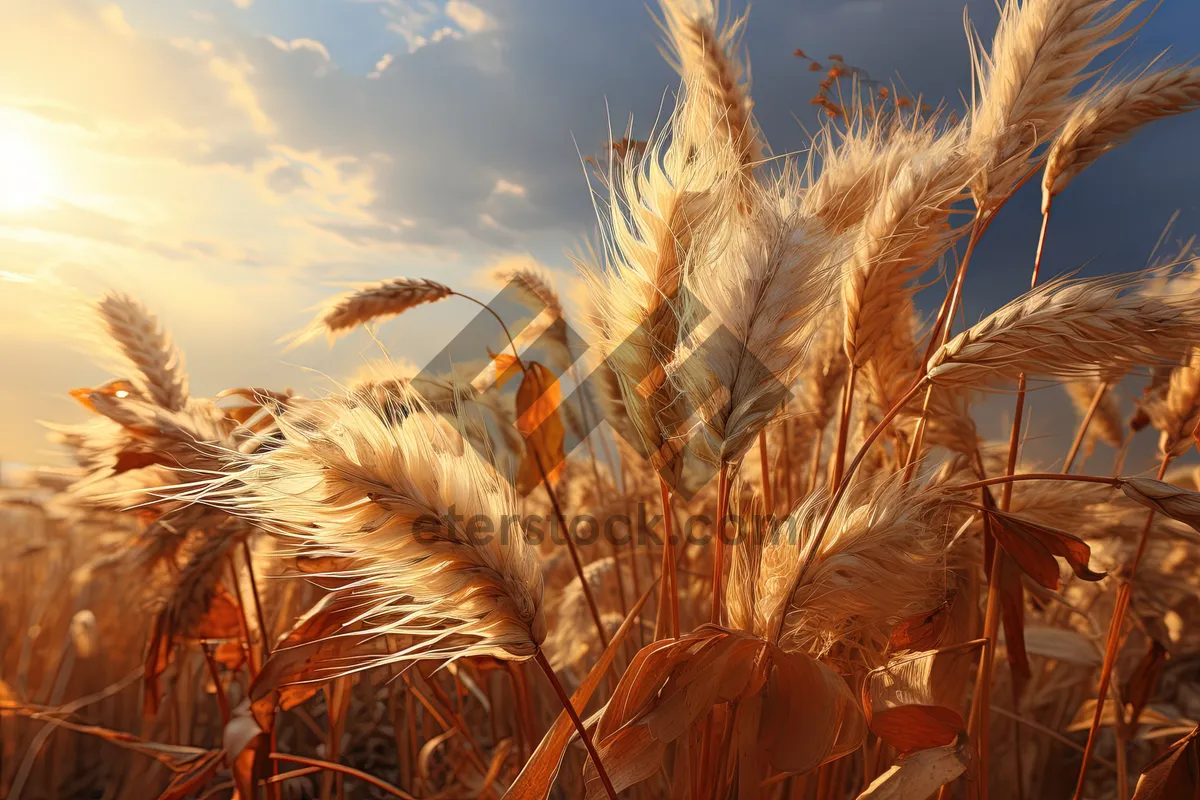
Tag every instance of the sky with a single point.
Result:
(232, 162)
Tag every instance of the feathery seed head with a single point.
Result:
(435, 532)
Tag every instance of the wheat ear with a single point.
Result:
(146, 345)
(345, 312)
(1107, 118)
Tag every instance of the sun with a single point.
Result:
(26, 178)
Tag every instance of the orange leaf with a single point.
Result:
(299, 652)
(1144, 679)
(916, 727)
(802, 687)
(230, 655)
(922, 631)
(538, 420)
(506, 367)
(1033, 547)
(538, 774)
(538, 398)
(1012, 613)
(222, 620)
(1173, 774)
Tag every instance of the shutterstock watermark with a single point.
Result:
(643, 526)
(686, 472)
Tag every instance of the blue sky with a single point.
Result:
(228, 159)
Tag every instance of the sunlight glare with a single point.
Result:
(26, 179)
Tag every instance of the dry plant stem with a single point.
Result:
(1124, 595)
(1101, 390)
(719, 552)
(670, 573)
(252, 662)
(1122, 760)
(819, 537)
(765, 467)
(540, 657)
(446, 722)
(979, 725)
(978, 722)
(562, 522)
(258, 609)
(215, 674)
(351, 771)
(1035, 476)
(839, 453)
(941, 334)
(788, 491)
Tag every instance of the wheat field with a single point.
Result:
(738, 537)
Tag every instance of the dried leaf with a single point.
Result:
(1144, 680)
(189, 782)
(1062, 644)
(539, 421)
(1171, 501)
(538, 774)
(506, 367)
(1083, 717)
(1175, 774)
(1033, 547)
(922, 631)
(299, 653)
(672, 685)
(920, 775)
(230, 655)
(1012, 615)
(222, 620)
(916, 727)
(804, 688)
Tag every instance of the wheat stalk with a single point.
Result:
(881, 560)
(345, 312)
(1040, 52)
(148, 347)
(1068, 329)
(718, 111)
(905, 230)
(1108, 117)
(675, 211)
(434, 532)
(756, 310)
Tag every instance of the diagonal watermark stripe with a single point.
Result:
(687, 466)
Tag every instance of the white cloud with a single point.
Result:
(243, 4)
(471, 18)
(510, 188)
(381, 65)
